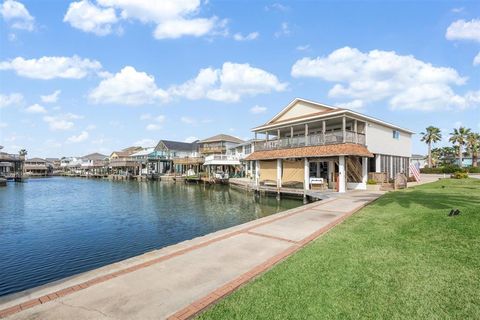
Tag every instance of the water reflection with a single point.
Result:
(57, 227)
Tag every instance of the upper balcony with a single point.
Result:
(209, 149)
(318, 133)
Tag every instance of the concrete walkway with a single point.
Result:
(180, 280)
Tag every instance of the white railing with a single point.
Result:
(335, 137)
(222, 157)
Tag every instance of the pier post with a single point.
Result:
(341, 174)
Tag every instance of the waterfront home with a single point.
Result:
(11, 164)
(178, 157)
(93, 164)
(218, 161)
(121, 163)
(148, 161)
(241, 151)
(310, 144)
(36, 167)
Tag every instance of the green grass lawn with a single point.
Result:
(400, 257)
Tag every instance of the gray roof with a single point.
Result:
(35, 160)
(178, 146)
(222, 137)
(95, 156)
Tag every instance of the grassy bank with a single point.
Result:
(400, 257)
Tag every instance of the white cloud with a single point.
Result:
(78, 138)
(145, 116)
(258, 109)
(52, 67)
(61, 122)
(172, 18)
(17, 15)
(187, 120)
(303, 48)
(153, 127)
(248, 37)
(36, 108)
(51, 98)
(145, 143)
(476, 60)
(12, 99)
(3, 125)
(277, 7)
(404, 81)
(464, 30)
(458, 10)
(354, 104)
(191, 139)
(284, 30)
(128, 87)
(229, 83)
(88, 17)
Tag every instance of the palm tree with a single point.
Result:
(431, 135)
(473, 145)
(459, 137)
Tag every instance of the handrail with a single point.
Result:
(319, 139)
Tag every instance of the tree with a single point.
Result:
(473, 146)
(459, 137)
(431, 135)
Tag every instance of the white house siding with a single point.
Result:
(380, 141)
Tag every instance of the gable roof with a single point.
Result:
(177, 145)
(222, 137)
(294, 102)
(315, 116)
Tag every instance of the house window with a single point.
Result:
(396, 134)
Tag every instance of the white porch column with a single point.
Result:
(318, 170)
(341, 174)
(378, 163)
(279, 173)
(257, 172)
(306, 170)
(344, 128)
(364, 169)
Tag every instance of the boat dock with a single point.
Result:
(248, 185)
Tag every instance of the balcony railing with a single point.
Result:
(213, 149)
(335, 137)
(222, 157)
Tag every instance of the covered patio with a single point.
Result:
(332, 167)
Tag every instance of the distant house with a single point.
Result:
(36, 167)
(93, 163)
(178, 157)
(420, 161)
(219, 159)
(121, 162)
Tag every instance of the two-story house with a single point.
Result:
(309, 140)
(218, 156)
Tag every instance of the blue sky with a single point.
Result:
(97, 76)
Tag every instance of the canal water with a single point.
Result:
(53, 228)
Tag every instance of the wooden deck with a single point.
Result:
(313, 194)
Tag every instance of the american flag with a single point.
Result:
(414, 172)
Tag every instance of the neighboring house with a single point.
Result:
(147, 160)
(94, 163)
(240, 152)
(176, 156)
(36, 167)
(309, 140)
(121, 163)
(218, 156)
(418, 160)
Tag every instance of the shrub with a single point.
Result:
(450, 169)
(371, 181)
(459, 175)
